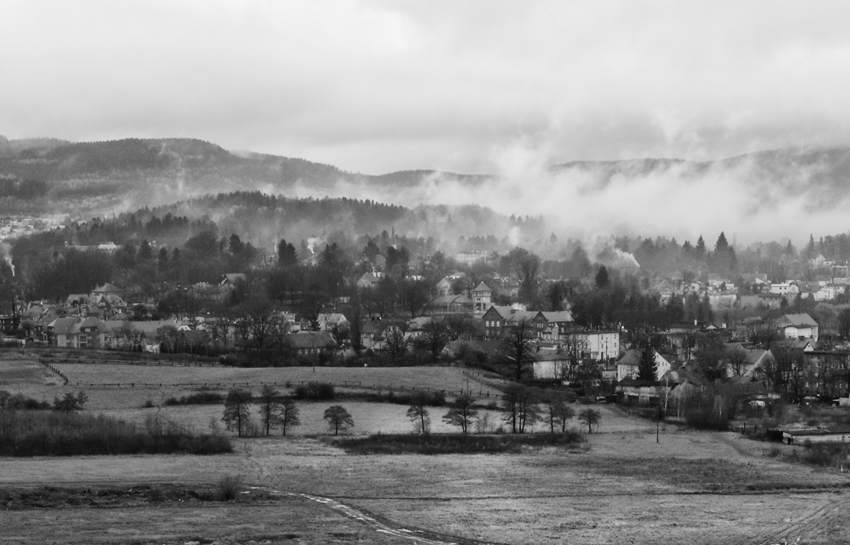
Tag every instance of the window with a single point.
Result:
(83, 341)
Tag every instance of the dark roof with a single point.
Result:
(798, 320)
(558, 317)
(311, 339)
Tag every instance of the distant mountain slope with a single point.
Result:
(785, 192)
(103, 175)
(791, 171)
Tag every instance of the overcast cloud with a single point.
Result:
(375, 86)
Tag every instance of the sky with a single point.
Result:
(474, 86)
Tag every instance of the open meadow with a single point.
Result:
(620, 486)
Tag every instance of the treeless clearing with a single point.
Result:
(680, 491)
(291, 519)
(435, 378)
(25, 373)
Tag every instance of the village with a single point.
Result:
(759, 347)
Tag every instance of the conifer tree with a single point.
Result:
(647, 368)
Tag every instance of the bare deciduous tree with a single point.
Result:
(338, 418)
(461, 413)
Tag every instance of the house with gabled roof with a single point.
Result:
(627, 366)
(753, 359)
(797, 326)
(444, 286)
(495, 321)
(308, 343)
(550, 364)
(77, 332)
(482, 296)
(553, 325)
(369, 280)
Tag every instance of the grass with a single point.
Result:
(453, 443)
(449, 379)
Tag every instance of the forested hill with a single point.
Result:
(263, 219)
(100, 177)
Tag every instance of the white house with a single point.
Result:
(798, 326)
(627, 366)
(784, 288)
(602, 345)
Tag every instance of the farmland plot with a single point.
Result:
(541, 496)
(434, 378)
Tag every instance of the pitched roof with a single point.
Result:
(482, 287)
(519, 316)
(75, 324)
(558, 317)
(631, 357)
(503, 312)
(63, 326)
(549, 354)
(680, 376)
(311, 339)
(371, 278)
(798, 320)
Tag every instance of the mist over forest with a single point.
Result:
(773, 195)
(229, 212)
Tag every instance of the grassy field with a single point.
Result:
(621, 487)
(178, 381)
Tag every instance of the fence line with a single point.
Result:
(146, 363)
(55, 371)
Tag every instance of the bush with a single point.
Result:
(454, 443)
(201, 398)
(42, 433)
(315, 391)
(228, 486)
(432, 399)
(18, 401)
(822, 454)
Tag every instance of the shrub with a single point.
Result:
(42, 433)
(315, 391)
(454, 443)
(200, 398)
(228, 486)
(18, 401)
